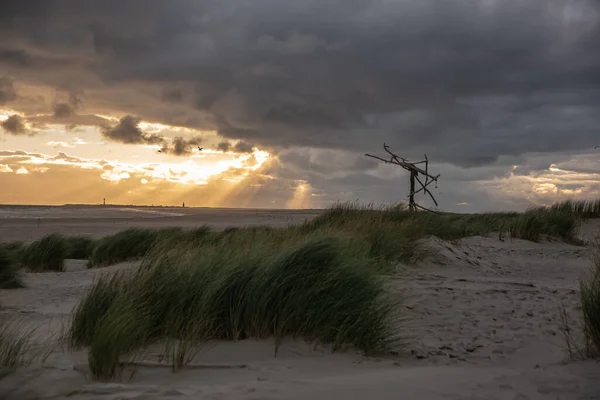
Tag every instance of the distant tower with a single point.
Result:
(183, 205)
(104, 201)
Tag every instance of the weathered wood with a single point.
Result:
(414, 176)
(411, 200)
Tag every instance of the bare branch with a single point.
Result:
(427, 191)
(414, 175)
(425, 209)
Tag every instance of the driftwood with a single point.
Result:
(414, 176)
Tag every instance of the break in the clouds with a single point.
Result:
(476, 84)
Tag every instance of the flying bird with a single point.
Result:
(595, 147)
(160, 151)
(200, 148)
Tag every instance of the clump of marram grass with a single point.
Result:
(127, 245)
(10, 276)
(16, 348)
(133, 244)
(590, 306)
(552, 222)
(94, 306)
(46, 254)
(582, 208)
(79, 247)
(319, 290)
(14, 249)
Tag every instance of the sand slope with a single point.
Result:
(484, 322)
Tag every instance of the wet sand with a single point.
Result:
(31, 223)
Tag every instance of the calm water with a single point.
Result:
(35, 212)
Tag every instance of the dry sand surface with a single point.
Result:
(483, 316)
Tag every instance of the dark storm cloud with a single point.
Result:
(127, 131)
(471, 83)
(172, 95)
(17, 58)
(181, 146)
(7, 90)
(15, 125)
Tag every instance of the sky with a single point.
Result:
(114, 99)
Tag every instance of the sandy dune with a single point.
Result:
(483, 317)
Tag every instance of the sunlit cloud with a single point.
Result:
(189, 172)
(5, 168)
(59, 144)
(555, 183)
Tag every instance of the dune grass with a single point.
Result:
(79, 247)
(46, 254)
(19, 347)
(590, 306)
(392, 232)
(14, 249)
(127, 245)
(531, 225)
(582, 208)
(15, 346)
(320, 281)
(184, 296)
(10, 276)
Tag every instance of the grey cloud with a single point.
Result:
(127, 131)
(181, 146)
(15, 125)
(474, 84)
(67, 108)
(283, 76)
(71, 120)
(172, 95)
(239, 147)
(17, 58)
(243, 147)
(224, 146)
(327, 162)
(7, 90)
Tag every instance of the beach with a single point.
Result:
(28, 223)
(482, 318)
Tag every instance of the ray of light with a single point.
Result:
(302, 196)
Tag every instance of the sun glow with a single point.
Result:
(232, 168)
